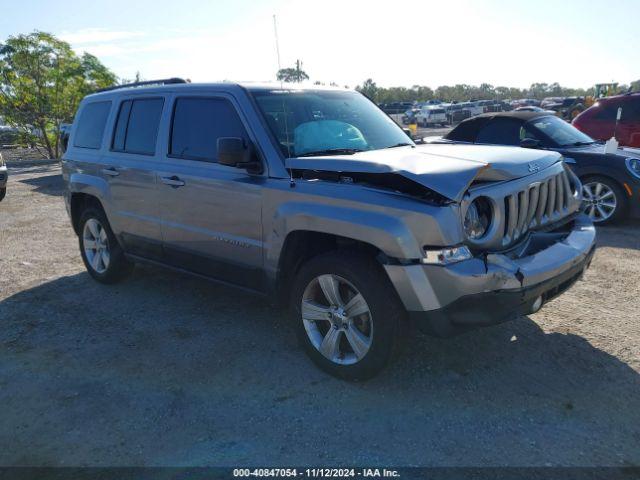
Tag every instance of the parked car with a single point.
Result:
(410, 116)
(429, 116)
(456, 113)
(4, 175)
(314, 199)
(549, 101)
(472, 107)
(599, 121)
(531, 108)
(396, 107)
(568, 108)
(610, 182)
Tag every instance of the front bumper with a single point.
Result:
(446, 300)
(4, 175)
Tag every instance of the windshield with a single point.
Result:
(315, 122)
(561, 132)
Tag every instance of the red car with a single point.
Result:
(599, 121)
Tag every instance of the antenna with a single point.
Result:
(275, 32)
(292, 183)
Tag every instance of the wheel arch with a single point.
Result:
(300, 246)
(79, 202)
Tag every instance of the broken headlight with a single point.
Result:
(477, 219)
(446, 256)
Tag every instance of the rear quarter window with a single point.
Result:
(91, 124)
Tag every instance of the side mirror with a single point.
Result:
(530, 143)
(235, 152)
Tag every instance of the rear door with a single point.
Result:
(130, 169)
(211, 213)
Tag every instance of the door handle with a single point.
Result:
(112, 172)
(173, 181)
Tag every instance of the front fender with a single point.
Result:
(385, 232)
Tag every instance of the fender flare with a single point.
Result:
(385, 232)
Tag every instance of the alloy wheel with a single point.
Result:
(599, 201)
(96, 245)
(337, 319)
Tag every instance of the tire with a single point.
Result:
(376, 333)
(106, 263)
(609, 189)
(3, 193)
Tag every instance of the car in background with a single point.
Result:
(409, 116)
(394, 108)
(531, 108)
(431, 115)
(473, 107)
(3, 178)
(568, 108)
(610, 182)
(456, 113)
(549, 101)
(599, 121)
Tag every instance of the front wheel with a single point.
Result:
(346, 314)
(3, 192)
(603, 200)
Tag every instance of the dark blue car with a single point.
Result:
(611, 182)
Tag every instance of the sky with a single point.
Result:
(396, 43)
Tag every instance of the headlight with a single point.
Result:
(478, 218)
(633, 164)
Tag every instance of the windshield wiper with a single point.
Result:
(579, 144)
(331, 151)
(401, 144)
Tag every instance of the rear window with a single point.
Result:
(137, 126)
(197, 125)
(500, 131)
(91, 123)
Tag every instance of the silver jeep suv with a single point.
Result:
(316, 199)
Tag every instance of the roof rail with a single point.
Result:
(164, 81)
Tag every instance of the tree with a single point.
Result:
(292, 75)
(369, 89)
(42, 81)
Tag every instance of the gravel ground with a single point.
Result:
(165, 369)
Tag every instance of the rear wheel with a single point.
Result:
(3, 193)
(603, 200)
(101, 253)
(344, 314)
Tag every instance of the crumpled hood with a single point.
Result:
(446, 169)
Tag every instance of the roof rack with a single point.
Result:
(164, 81)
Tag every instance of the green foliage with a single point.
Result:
(463, 92)
(42, 81)
(292, 75)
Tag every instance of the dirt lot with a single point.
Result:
(165, 369)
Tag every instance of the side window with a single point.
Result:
(527, 133)
(197, 125)
(605, 112)
(501, 131)
(91, 123)
(137, 126)
(631, 110)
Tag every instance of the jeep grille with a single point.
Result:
(528, 203)
(539, 204)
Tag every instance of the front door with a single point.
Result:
(211, 213)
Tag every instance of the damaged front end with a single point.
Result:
(491, 288)
(521, 239)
